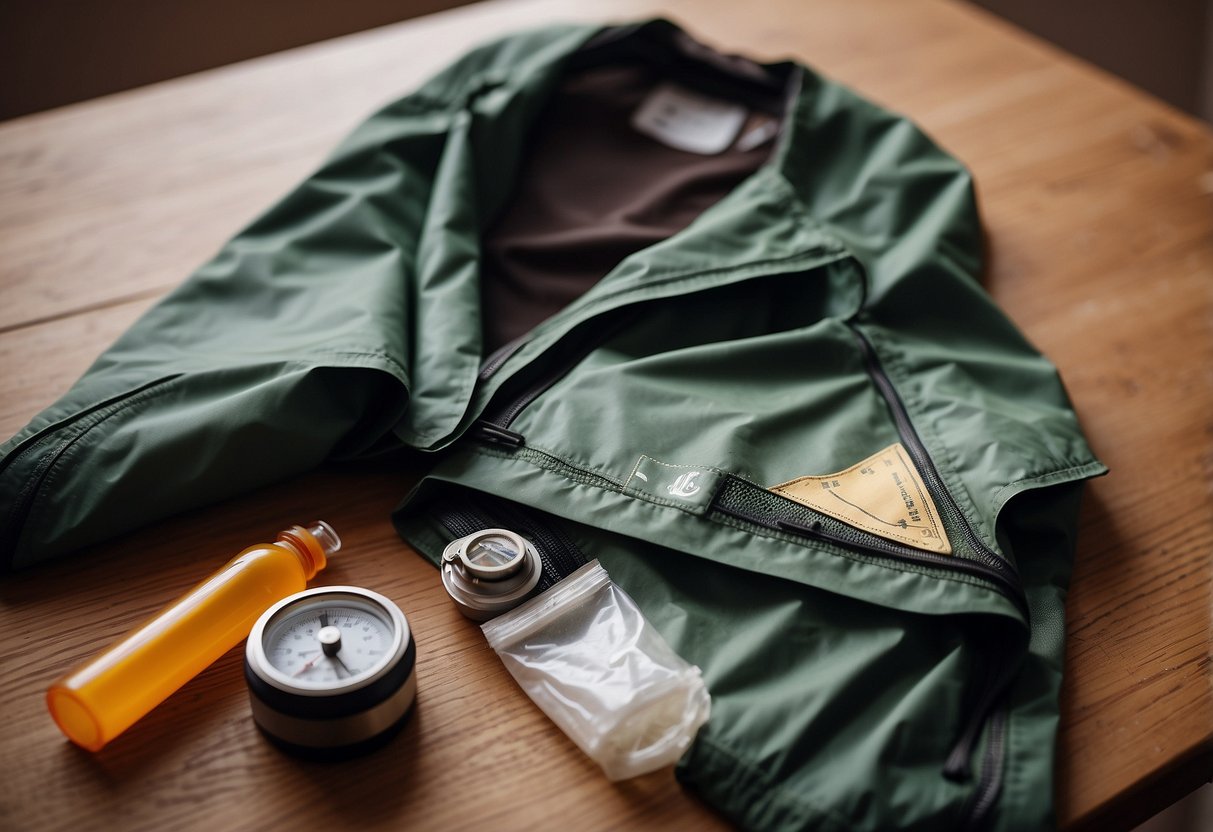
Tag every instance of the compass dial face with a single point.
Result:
(329, 643)
(331, 671)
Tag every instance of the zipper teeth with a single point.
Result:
(504, 417)
(958, 766)
(507, 416)
(990, 785)
(590, 341)
(825, 528)
(500, 356)
(926, 465)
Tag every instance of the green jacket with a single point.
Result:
(796, 431)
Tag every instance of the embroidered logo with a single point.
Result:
(653, 479)
(685, 485)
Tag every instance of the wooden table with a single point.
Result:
(1097, 204)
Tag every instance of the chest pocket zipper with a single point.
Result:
(494, 425)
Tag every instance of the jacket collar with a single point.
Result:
(763, 221)
(762, 227)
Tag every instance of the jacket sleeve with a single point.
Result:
(289, 347)
(293, 345)
(300, 341)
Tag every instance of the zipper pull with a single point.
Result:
(811, 529)
(959, 766)
(497, 435)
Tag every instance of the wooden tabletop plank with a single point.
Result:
(1096, 201)
(39, 361)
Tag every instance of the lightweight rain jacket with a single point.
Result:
(715, 323)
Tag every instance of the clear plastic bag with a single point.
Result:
(587, 657)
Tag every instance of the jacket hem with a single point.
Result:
(752, 799)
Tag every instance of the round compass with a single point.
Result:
(331, 671)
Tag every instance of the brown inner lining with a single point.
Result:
(591, 191)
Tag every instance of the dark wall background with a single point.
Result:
(55, 52)
(1162, 46)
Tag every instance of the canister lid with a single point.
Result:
(490, 571)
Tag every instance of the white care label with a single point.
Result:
(686, 120)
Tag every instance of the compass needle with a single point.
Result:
(305, 668)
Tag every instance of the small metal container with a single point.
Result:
(490, 572)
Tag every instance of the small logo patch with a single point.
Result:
(685, 485)
(882, 495)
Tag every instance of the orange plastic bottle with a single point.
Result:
(98, 701)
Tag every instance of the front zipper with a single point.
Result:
(959, 763)
(990, 785)
(499, 356)
(494, 424)
(930, 474)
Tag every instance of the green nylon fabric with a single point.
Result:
(345, 322)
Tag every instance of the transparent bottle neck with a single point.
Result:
(313, 544)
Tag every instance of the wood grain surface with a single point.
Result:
(1097, 205)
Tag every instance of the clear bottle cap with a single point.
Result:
(325, 536)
